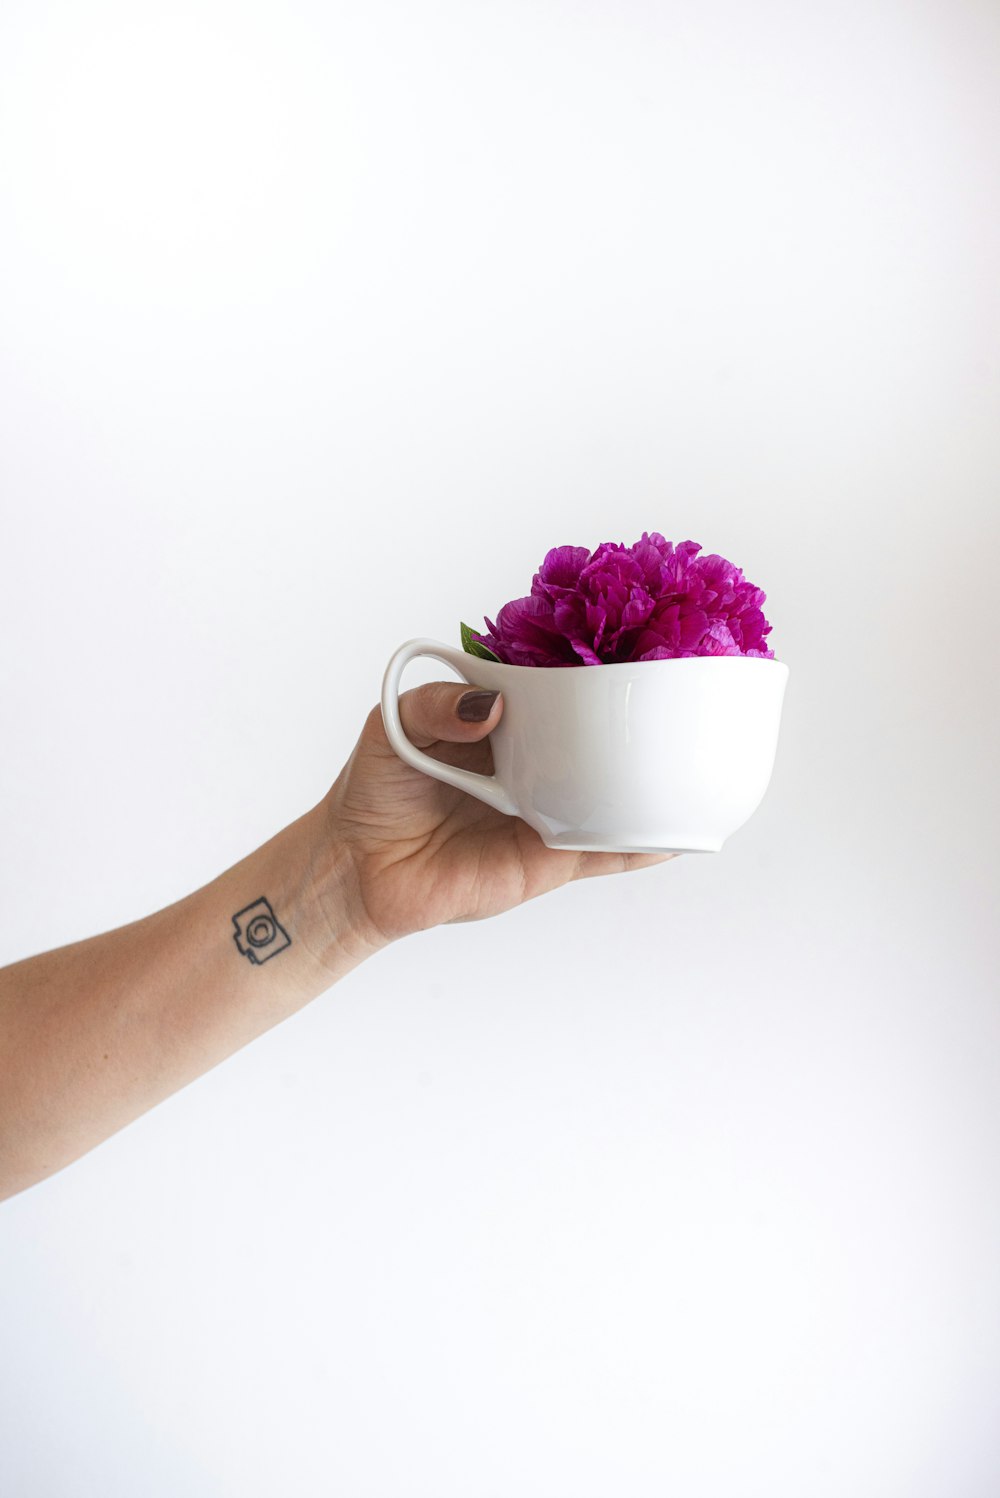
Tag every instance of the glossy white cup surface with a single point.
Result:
(648, 757)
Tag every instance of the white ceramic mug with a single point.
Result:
(649, 757)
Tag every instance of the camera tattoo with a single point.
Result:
(259, 934)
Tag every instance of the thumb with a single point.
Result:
(448, 711)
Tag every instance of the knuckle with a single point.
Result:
(434, 701)
(374, 727)
(424, 712)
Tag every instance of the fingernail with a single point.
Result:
(475, 707)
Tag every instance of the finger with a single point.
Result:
(475, 757)
(594, 865)
(448, 711)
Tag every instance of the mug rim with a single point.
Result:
(685, 660)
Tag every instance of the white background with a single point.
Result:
(319, 324)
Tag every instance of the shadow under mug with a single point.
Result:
(645, 757)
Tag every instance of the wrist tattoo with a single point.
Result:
(259, 934)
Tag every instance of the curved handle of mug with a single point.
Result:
(485, 787)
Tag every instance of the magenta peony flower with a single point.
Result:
(648, 602)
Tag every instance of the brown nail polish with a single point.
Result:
(475, 707)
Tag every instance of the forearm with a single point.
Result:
(95, 1033)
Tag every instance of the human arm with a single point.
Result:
(95, 1033)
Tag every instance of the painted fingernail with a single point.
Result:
(475, 707)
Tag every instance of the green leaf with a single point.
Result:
(475, 647)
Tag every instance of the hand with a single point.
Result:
(424, 853)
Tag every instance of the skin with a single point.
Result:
(95, 1033)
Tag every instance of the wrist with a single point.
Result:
(342, 933)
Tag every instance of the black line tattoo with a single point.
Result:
(259, 933)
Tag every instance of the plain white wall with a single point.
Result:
(319, 324)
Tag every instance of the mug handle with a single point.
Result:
(485, 787)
